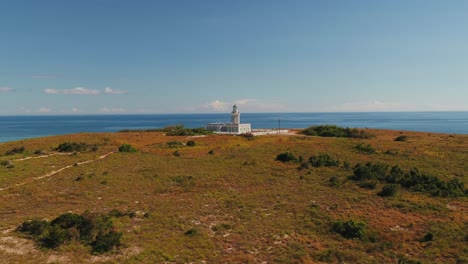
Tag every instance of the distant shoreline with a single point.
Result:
(22, 127)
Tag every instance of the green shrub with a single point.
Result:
(323, 160)
(248, 136)
(71, 147)
(127, 148)
(389, 190)
(191, 143)
(106, 241)
(286, 157)
(334, 131)
(90, 229)
(54, 237)
(334, 181)
(428, 237)
(33, 227)
(372, 184)
(174, 144)
(369, 171)
(68, 220)
(191, 232)
(401, 138)
(14, 151)
(368, 149)
(350, 229)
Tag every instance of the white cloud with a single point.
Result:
(75, 110)
(216, 106)
(44, 110)
(112, 110)
(6, 89)
(247, 105)
(77, 90)
(109, 90)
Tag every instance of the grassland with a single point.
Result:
(227, 200)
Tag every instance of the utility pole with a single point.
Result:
(279, 125)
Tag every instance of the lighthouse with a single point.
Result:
(235, 127)
(235, 115)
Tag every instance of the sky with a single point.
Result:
(61, 57)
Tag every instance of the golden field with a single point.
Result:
(243, 205)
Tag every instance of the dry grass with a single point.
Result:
(245, 206)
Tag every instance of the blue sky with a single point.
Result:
(184, 56)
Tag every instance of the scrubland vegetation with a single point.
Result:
(339, 196)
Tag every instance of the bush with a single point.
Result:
(174, 144)
(428, 237)
(54, 237)
(127, 148)
(286, 157)
(191, 143)
(401, 138)
(248, 136)
(14, 151)
(389, 190)
(71, 147)
(334, 131)
(365, 148)
(323, 160)
(350, 229)
(369, 171)
(91, 229)
(33, 227)
(368, 184)
(191, 232)
(106, 241)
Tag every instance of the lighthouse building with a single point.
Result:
(235, 127)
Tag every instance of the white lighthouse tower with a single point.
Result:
(235, 127)
(235, 115)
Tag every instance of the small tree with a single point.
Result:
(350, 228)
(286, 157)
(389, 190)
(127, 148)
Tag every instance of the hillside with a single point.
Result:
(226, 199)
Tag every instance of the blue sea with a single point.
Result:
(21, 127)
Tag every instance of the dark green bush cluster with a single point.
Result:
(335, 131)
(350, 229)
(6, 163)
(368, 149)
(248, 136)
(401, 138)
(191, 143)
(177, 130)
(389, 190)
(180, 130)
(73, 146)
(174, 144)
(369, 171)
(14, 151)
(323, 160)
(95, 230)
(413, 180)
(419, 182)
(127, 148)
(286, 157)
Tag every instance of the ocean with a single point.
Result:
(21, 127)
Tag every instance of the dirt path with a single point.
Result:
(55, 171)
(43, 156)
